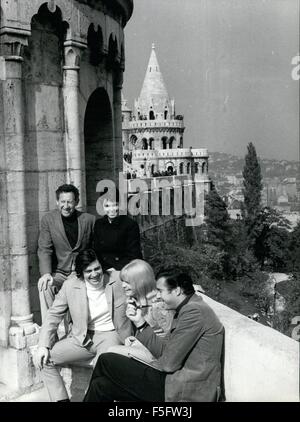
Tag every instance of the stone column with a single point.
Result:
(73, 135)
(117, 113)
(16, 203)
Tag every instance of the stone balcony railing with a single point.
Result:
(170, 153)
(260, 363)
(144, 124)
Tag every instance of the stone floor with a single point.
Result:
(39, 395)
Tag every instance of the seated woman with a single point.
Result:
(139, 284)
(116, 237)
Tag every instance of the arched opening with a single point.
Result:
(204, 168)
(144, 143)
(95, 44)
(112, 51)
(152, 169)
(181, 168)
(164, 141)
(98, 141)
(188, 168)
(132, 141)
(171, 142)
(170, 169)
(196, 167)
(151, 143)
(151, 115)
(165, 114)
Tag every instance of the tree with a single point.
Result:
(217, 220)
(252, 187)
(293, 252)
(271, 235)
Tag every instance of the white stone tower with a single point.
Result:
(153, 133)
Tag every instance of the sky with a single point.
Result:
(228, 65)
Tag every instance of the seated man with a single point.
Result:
(188, 360)
(116, 237)
(64, 232)
(97, 306)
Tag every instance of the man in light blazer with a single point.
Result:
(188, 360)
(64, 232)
(97, 305)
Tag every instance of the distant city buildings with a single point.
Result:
(281, 184)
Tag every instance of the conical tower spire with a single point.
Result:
(154, 96)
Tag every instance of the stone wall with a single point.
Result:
(55, 56)
(261, 364)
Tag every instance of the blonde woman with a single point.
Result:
(138, 281)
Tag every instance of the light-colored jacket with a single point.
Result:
(53, 242)
(190, 353)
(72, 297)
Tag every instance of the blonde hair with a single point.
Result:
(139, 274)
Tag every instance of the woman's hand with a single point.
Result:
(134, 314)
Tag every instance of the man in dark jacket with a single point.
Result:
(116, 237)
(187, 364)
(64, 232)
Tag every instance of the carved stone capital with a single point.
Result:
(13, 41)
(72, 52)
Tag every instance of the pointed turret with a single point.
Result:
(153, 102)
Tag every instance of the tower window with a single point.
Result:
(151, 115)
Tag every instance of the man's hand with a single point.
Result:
(135, 315)
(129, 340)
(41, 357)
(45, 281)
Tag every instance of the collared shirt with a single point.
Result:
(184, 302)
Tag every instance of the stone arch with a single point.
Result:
(188, 168)
(172, 142)
(152, 169)
(132, 140)
(166, 112)
(113, 52)
(151, 115)
(164, 141)
(95, 44)
(151, 143)
(98, 142)
(196, 168)
(204, 167)
(181, 168)
(169, 167)
(144, 143)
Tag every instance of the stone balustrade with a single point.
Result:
(144, 124)
(170, 153)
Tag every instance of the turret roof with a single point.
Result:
(154, 92)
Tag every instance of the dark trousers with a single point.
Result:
(120, 378)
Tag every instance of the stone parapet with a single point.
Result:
(261, 364)
(170, 153)
(145, 124)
